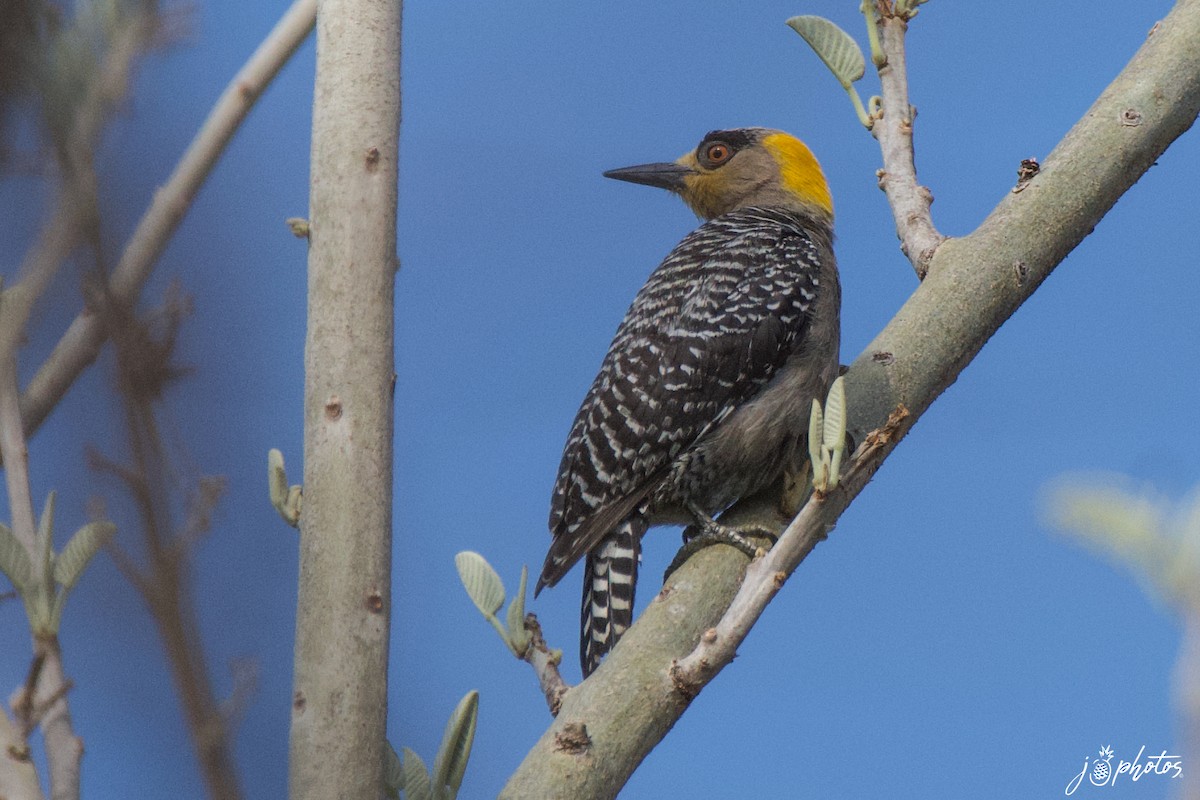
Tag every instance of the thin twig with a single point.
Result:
(23, 704)
(128, 568)
(766, 575)
(63, 748)
(144, 360)
(75, 215)
(893, 128)
(81, 342)
(57, 239)
(545, 665)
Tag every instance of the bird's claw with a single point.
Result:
(708, 535)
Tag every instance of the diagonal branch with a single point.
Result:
(974, 284)
(81, 342)
(765, 576)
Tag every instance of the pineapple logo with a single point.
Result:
(1102, 769)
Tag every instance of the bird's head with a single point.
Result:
(738, 168)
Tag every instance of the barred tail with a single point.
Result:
(609, 580)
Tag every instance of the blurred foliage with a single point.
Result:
(1157, 539)
(20, 26)
(51, 56)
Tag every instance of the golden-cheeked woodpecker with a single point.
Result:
(703, 398)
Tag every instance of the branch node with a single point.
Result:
(298, 226)
(19, 752)
(1131, 118)
(1021, 269)
(1026, 172)
(687, 682)
(573, 739)
(883, 357)
(545, 665)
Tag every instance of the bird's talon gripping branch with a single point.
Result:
(711, 533)
(710, 528)
(701, 399)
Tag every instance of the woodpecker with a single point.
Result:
(704, 396)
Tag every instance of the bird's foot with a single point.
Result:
(708, 533)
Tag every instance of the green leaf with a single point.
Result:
(816, 429)
(74, 558)
(416, 777)
(833, 434)
(483, 585)
(818, 454)
(908, 8)
(45, 542)
(451, 762)
(14, 561)
(285, 500)
(393, 772)
(518, 637)
(833, 46)
(835, 468)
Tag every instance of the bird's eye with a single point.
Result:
(717, 153)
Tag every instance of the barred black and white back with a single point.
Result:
(710, 329)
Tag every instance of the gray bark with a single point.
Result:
(339, 706)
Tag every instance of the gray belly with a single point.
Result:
(749, 450)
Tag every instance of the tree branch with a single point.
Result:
(145, 369)
(75, 214)
(339, 707)
(545, 665)
(18, 778)
(81, 342)
(765, 576)
(75, 217)
(974, 284)
(58, 239)
(893, 128)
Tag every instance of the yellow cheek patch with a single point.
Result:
(704, 190)
(799, 169)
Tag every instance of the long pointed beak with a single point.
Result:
(664, 175)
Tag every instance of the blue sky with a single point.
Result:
(943, 640)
